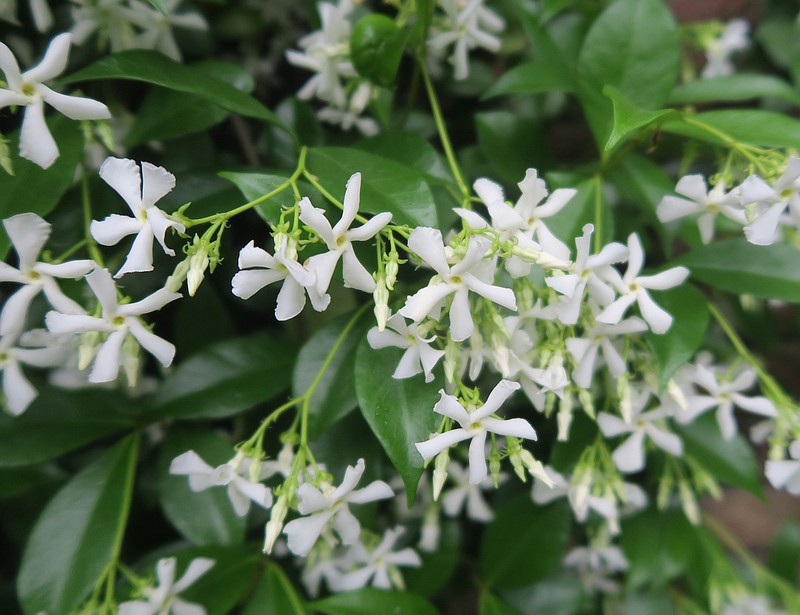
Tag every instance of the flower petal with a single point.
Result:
(140, 257)
(314, 217)
(113, 228)
(323, 265)
(477, 458)
(74, 107)
(355, 274)
(666, 279)
(54, 61)
(499, 394)
(108, 359)
(657, 317)
(427, 243)
(519, 428)
(151, 303)
(157, 182)
(35, 141)
(303, 533)
(160, 348)
(15, 311)
(197, 568)
(291, 299)
(28, 233)
(247, 283)
(370, 228)
(424, 301)
(18, 391)
(629, 456)
(352, 197)
(434, 446)
(9, 66)
(105, 290)
(123, 175)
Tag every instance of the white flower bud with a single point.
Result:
(564, 418)
(440, 473)
(130, 359)
(197, 269)
(87, 348)
(275, 524)
(535, 467)
(689, 503)
(430, 530)
(381, 298)
(391, 271)
(176, 280)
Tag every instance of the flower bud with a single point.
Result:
(87, 348)
(381, 297)
(494, 466)
(275, 524)
(689, 503)
(198, 263)
(430, 530)
(564, 418)
(178, 277)
(392, 267)
(535, 468)
(440, 472)
(130, 359)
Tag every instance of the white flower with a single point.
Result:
(18, 391)
(579, 496)
(475, 424)
(724, 396)
(701, 200)
(458, 280)
(339, 240)
(785, 474)
(111, 19)
(163, 600)
(467, 24)
(375, 565)
(734, 37)
(326, 52)
(157, 27)
(454, 498)
(28, 233)
(350, 115)
(785, 192)
(241, 490)
(118, 321)
(582, 275)
(633, 288)
(595, 565)
(141, 191)
(585, 349)
(330, 505)
(259, 269)
(418, 357)
(537, 382)
(27, 90)
(629, 456)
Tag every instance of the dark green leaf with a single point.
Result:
(226, 378)
(153, 67)
(511, 144)
(548, 49)
(561, 593)
(17, 192)
(205, 517)
(741, 86)
(568, 222)
(411, 150)
(256, 185)
(784, 552)
(369, 601)
(524, 543)
(731, 461)
(532, 78)
(769, 272)
(490, 605)
(335, 395)
(60, 421)
(653, 603)
(399, 412)
(74, 538)
(633, 45)
(376, 48)
(684, 338)
(275, 595)
(629, 117)
(751, 126)
(385, 184)
(437, 567)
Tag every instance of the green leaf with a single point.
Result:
(335, 394)
(256, 185)
(634, 46)
(369, 601)
(60, 421)
(399, 412)
(37, 190)
(74, 539)
(411, 150)
(510, 143)
(226, 378)
(437, 567)
(524, 543)
(629, 117)
(376, 48)
(275, 595)
(750, 126)
(160, 6)
(548, 49)
(731, 88)
(659, 546)
(561, 593)
(731, 461)
(568, 222)
(679, 344)
(768, 272)
(153, 67)
(490, 605)
(385, 184)
(531, 78)
(653, 603)
(784, 551)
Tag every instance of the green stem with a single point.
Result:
(86, 199)
(442, 129)
(598, 213)
(62, 257)
(312, 179)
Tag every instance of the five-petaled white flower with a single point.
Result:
(17, 390)
(241, 490)
(27, 90)
(118, 321)
(163, 600)
(259, 269)
(734, 37)
(633, 288)
(475, 424)
(784, 192)
(29, 233)
(465, 492)
(585, 349)
(141, 191)
(339, 240)
(330, 505)
(457, 280)
(418, 357)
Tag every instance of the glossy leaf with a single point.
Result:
(733, 88)
(226, 378)
(157, 69)
(629, 117)
(769, 272)
(730, 461)
(73, 540)
(376, 48)
(37, 190)
(531, 78)
(511, 144)
(256, 185)
(61, 421)
(561, 593)
(684, 338)
(491, 605)
(524, 543)
(275, 595)
(633, 46)
(410, 150)
(385, 184)
(218, 523)
(369, 601)
(335, 394)
(568, 222)
(399, 412)
(784, 551)
(751, 126)
(438, 567)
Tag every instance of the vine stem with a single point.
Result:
(443, 136)
(598, 213)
